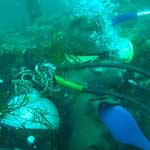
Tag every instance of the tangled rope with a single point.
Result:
(43, 75)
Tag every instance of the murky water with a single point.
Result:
(74, 74)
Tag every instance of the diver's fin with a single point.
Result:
(123, 126)
(147, 147)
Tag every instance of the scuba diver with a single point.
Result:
(94, 118)
(34, 10)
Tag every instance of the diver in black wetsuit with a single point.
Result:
(33, 8)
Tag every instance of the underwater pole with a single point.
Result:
(129, 16)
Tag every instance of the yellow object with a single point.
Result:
(68, 84)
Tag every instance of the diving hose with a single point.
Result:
(101, 92)
(68, 84)
(108, 65)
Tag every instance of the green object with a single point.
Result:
(68, 84)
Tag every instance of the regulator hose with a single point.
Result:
(116, 95)
(100, 92)
(105, 65)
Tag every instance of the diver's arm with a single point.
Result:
(129, 16)
(123, 18)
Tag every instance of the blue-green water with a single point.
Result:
(74, 74)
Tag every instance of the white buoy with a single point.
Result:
(30, 139)
(35, 113)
